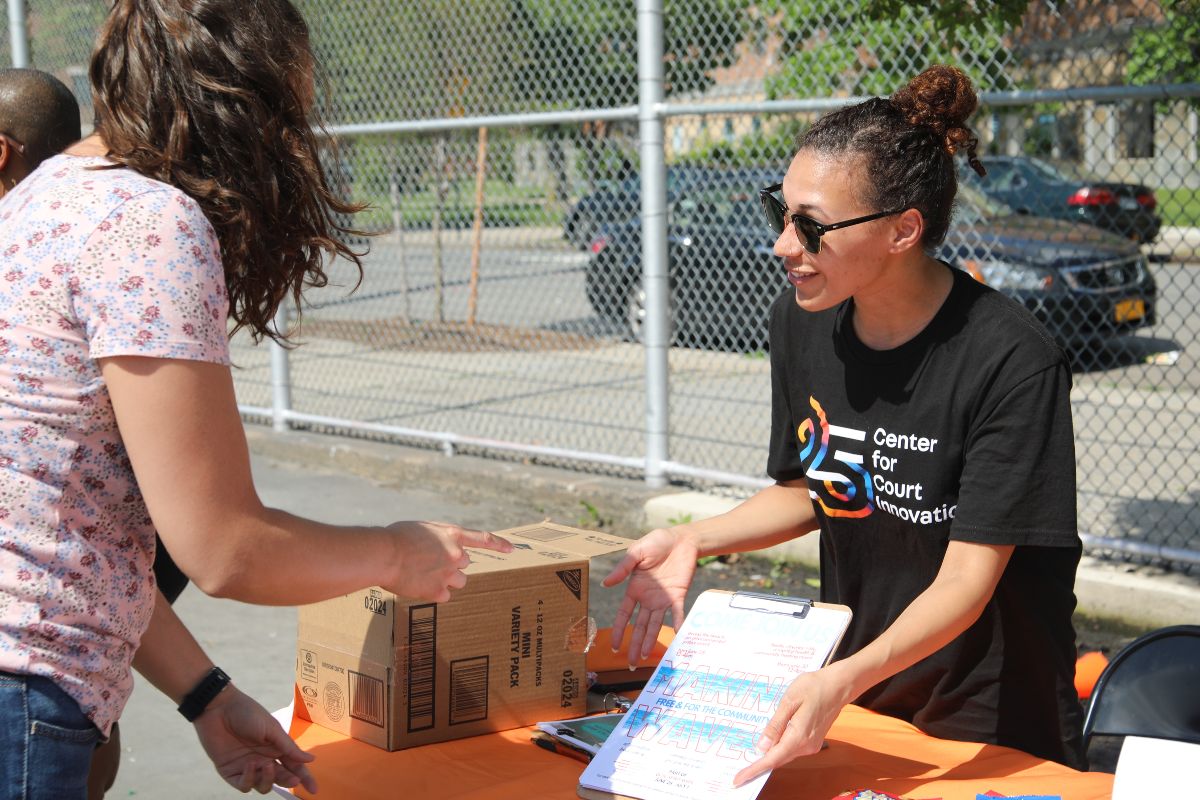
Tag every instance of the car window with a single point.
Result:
(1063, 171)
(1074, 173)
(1036, 166)
(716, 207)
(679, 180)
(999, 176)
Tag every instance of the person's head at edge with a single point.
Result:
(215, 97)
(883, 155)
(38, 118)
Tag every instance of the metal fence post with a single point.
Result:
(281, 374)
(654, 235)
(18, 34)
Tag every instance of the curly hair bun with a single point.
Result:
(942, 98)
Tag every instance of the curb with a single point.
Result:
(1139, 596)
(1179, 244)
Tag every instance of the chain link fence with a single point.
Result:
(500, 146)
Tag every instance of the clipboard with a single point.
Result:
(781, 629)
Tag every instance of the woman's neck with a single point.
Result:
(890, 315)
(91, 145)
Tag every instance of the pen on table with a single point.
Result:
(548, 742)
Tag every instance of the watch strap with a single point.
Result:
(195, 701)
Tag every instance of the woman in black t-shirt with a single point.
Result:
(922, 422)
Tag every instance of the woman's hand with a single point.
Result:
(805, 714)
(248, 746)
(432, 557)
(964, 584)
(660, 567)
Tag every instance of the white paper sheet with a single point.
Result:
(696, 723)
(1149, 768)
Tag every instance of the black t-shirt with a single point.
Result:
(963, 432)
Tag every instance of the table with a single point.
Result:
(866, 751)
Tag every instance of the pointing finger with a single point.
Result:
(774, 729)
(488, 541)
(764, 764)
(780, 753)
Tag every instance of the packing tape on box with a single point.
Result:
(581, 635)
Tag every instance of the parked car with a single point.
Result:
(1033, 186)
(723, 274)
(620, 201)
(1084, 284)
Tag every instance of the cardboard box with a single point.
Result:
(506, 651)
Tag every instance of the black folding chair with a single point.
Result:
(1151, 689)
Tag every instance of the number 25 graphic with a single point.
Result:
(846, 484)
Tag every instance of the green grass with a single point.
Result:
(1179, 206)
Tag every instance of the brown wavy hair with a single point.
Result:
(908, 143)
(215, 98)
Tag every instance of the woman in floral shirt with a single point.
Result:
(124, 259)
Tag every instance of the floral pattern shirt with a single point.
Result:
(93, 263)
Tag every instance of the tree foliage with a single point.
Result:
(952, 19)
(383, 60)
(863, 47)
(429, 58)
(584, 55)
(1170, 52)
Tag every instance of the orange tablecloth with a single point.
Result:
(866, 751)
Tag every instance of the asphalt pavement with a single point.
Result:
(342, 480)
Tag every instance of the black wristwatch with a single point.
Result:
(195, 701)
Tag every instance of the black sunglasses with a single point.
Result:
(808, 229)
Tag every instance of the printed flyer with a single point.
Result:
(695, 724)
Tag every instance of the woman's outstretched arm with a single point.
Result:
(180, 425)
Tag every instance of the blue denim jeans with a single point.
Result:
(46, 742)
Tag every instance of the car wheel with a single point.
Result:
(635, 313)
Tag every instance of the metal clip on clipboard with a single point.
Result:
(797, 607)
